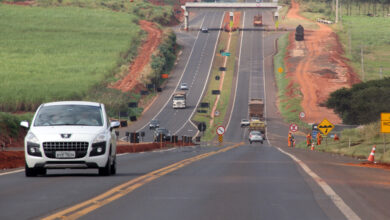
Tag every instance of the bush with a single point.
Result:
(166, 56)
(362, 103)
(9, 123)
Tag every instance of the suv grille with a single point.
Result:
(50, 148)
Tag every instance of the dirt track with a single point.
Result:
(318, 66)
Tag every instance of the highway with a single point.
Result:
(233, 181)
(195, 73)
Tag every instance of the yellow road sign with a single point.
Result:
(280, 69)
(385, 122)
(325, 127)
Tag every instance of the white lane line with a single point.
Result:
(10, 172)
(336, 199)
(174, 90)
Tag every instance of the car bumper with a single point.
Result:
(80, 163)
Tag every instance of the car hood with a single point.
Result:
(57, 133)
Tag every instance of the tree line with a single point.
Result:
(363, 103)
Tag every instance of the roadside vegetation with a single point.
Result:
(289, 105)
(358, 143)
(73, 50)
(60, 53)
(213, 84)
(364, 31)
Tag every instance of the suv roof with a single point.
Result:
(72, 103)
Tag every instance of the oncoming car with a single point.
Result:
(205, 29)
(183, 86)
(70, 134)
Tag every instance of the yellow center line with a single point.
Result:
(81, 209)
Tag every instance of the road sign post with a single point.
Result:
(220, 132)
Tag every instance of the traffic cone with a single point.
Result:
(312, 146)
(371, 157)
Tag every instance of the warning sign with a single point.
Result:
(385, 122)
(325, 127)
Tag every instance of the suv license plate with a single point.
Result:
(65, 154)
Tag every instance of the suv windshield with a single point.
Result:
(76, 115)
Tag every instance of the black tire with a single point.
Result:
(106, 170)
(113, 167)
(250, 142)
(30, 172)
(261, 142)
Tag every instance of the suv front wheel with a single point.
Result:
(106, 170)
(30, 171)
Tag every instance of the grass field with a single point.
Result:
(375, 41)
(60, 53)
(357, 32)
(214, 84)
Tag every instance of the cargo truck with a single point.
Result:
(258, 20)
(179, 100)
(256, 115)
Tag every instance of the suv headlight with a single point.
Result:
(99, 145)
(33, 147)
(32, 138)
(99, 138)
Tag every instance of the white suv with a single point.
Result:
(70, 134)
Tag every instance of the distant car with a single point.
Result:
(183, 86)
(162, 134)
(154, 124)
(255, 136)
(244, 122)
(205, 30)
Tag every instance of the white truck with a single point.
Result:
(179, 100)
(72, 134)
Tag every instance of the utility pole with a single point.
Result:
(337, 11)
(350, 43)
(362, 61)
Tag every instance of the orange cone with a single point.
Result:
(371, 157)
(312, 146)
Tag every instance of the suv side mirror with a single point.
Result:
(24, 124)
(114, 124)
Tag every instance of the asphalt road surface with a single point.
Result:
(232, 181)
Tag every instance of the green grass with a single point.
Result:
(375, 40)
(289, 107)
(9, 123)
(60, 53)
(214, 84)
(358, 143)
(356, 31)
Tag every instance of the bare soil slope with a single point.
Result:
(318, 66)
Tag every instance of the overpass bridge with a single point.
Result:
(228, 6)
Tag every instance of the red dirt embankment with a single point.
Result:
(132, 79)
(318, 66)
